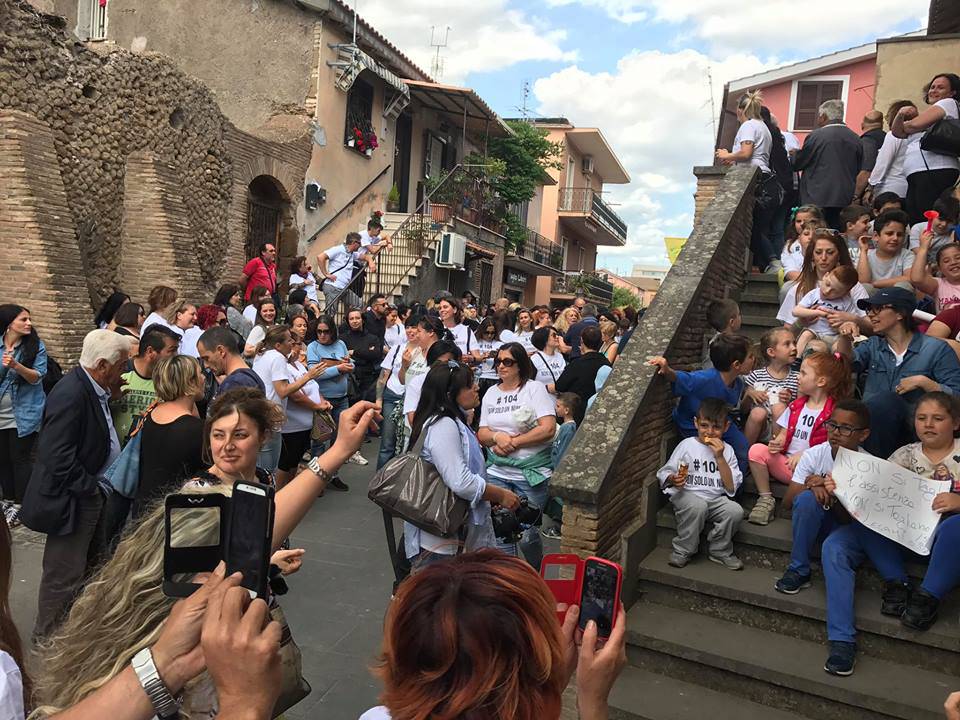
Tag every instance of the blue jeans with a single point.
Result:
(339, 405)
(943, 573)
(809, 519)
(388, 430)
(269, 456)
(531, 545)
(896, 430)
(844, 551)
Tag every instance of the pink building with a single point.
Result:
(794, 92)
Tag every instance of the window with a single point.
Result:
(92, 19)
(809, 96)
(359, 116)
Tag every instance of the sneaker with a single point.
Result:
(552, 532)
(337, 484)
(921, 611)
(792, 582)
(843, 656)
(730, 562)
(677, 560)
(774, 267)
(358, 459)
(762, 512)
(11, 511)
(895, 596)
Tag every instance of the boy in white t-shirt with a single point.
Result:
(701, 477)
(831, 293)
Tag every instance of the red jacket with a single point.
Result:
(818, 433)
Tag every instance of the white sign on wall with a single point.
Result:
(888, 499)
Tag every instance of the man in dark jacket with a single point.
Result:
(580, 374)
(375, 319)
(65, 495)
(830, 159)
(572, 337)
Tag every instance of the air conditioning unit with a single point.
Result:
(587, 163)
(452, 252)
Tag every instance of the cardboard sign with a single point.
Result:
(888, 499)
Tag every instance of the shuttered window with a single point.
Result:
(810, 95)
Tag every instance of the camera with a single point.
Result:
(509, 525)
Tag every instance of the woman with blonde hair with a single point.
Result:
(568, 317)
(122, 608)
(609, 330)
(752, 146)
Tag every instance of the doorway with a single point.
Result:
(401, 165)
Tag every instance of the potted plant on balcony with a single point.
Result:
(438, 190)
(355, 137)
(393, 199)
(370, 143)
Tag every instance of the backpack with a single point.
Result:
(53, 376)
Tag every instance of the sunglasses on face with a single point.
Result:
(877, 309)
(506, 362)
(323, 331)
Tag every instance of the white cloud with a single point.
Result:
(485, 35)
(772, 25)
(655, 111)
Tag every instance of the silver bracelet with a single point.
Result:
(164, 703)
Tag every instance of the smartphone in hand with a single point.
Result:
(600, 594)
(250, 535)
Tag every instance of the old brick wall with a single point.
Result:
(607, 479)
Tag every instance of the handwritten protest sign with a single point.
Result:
(888, 499)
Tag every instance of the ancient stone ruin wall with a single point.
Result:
(101, 108)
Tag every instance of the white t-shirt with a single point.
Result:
(801, 433)
(366, 240)
(524, 339)
(418, 366)
(792, 257)
(887, 175)
(308, 282)
(756, 132)
(485, 369)
(844, 304)
(11, 689)
(549, 367)
(818, 460)
(411, 398)
(340, 264)
(300, 418)
(464, 338)
(256, 336)
(395, 335)
(509, 336)
(154, 318)
(785, 314)
(188, 342)
(504, 411)
(377, 713)
(703, 472)
(938, 240)
(270, 366)
(917, 160)
(392, 362)
(250, 313)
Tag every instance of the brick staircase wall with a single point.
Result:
(606, 479)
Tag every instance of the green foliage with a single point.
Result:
(526, 155)
(394, 195)
(516, 232)
(623, 297)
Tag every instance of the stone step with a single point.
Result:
(762, 308)
(763, 321)
(779, 671)
(642, 695)
(761, 293)
(763, 279)
(748, 597)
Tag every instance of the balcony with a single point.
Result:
(537, 255)
(591, 285)
(591, 216)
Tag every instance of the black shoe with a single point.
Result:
(843, 656)
(921, 612)
(895, 596)
(792, 582)
(337, 484)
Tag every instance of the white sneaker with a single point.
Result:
(358, 459)
(763, 511)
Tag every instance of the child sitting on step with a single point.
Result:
(772, 387)
(701, 477)
(823, 379)
(832, 294)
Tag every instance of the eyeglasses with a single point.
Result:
(877, 309)
(506, 362)
(841, 430)
(221, 322)
(323, 331)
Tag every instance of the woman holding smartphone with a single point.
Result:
(449, 393)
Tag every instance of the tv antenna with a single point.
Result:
(524, 110)
(713, 107)
(438, 39)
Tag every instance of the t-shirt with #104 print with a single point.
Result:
(516, 412)
(548, 367)
(801, 433)
(703, 470)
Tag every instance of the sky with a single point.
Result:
(643, 71)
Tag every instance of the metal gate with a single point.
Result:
(263, 225)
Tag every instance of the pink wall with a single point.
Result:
(859, 100)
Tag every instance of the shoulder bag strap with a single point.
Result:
(552, 374)
(271, 278)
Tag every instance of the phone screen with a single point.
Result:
(250, 521)
(599, 596)
(193, 539)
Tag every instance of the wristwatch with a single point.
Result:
(166, 705)
(314, 466)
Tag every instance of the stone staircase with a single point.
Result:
(759, 303)
(707, 642)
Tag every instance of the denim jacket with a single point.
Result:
(28, 398)
(926, 356)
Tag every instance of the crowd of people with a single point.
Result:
(866, 358)
(263, 387)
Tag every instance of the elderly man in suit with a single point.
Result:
(64, 498)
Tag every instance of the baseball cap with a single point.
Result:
(899, 298)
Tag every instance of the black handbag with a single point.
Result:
(769, 192)
(411, 488)
(943, 137)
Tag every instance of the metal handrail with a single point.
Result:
(541, 250)
(587, 201)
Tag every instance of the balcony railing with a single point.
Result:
(588, 202)
(590, 285)
(539, 249)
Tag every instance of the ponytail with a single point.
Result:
(835, 368)
(750, 104)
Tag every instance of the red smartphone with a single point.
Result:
(561, 572)
(600, 594)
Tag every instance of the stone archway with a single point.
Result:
(270, 218)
